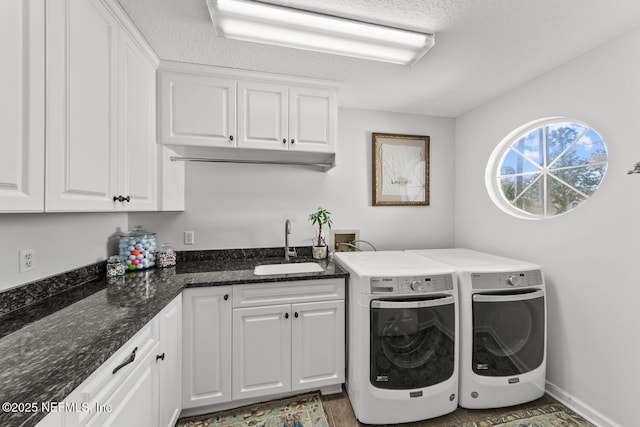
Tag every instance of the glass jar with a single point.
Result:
(138, 248)
(166, 256)
(115, 266)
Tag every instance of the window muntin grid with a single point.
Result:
(547, 168)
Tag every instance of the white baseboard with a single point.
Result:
(579, 407)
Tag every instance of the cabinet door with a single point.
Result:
(135, 403)
(22, 105)
(196, 110)
(261, 351)
(312, 119)
(206, 353)
(82, 132)
(137, 143)
(169, 360)
(262, 115)
(318, 344)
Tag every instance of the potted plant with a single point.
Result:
(320, 217)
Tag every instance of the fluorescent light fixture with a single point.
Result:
(259, 22)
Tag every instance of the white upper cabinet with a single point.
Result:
(282, 117)
(82, 95)
(22, 105)
(196, 110)
(136, 170)
(229, 115)
(100, 83)
(313, 115)
(263, 110)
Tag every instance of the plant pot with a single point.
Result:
(319, 252)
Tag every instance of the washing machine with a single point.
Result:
(402, 347)
(503, 328)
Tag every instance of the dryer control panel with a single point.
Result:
(411, 284)
(506, 280)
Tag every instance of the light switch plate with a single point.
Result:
(189, 237)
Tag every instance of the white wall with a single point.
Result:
(62, 242)
(590, 255)
(244, 206)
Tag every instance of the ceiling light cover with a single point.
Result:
(259, 22)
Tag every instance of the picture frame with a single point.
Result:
(400, 170)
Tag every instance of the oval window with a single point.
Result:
(546, 168)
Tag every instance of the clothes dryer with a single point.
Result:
(503, 328)
(402, 334)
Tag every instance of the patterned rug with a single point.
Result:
(543, 416)
(297, 411)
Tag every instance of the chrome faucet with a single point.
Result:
(288, 253)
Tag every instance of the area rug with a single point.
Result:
(298, 411)
(544, 416)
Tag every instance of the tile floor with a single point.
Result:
(340, 414)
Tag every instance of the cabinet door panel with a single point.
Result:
(22, 105)
(263, 116)
(207, 346)
(170, 364)
(81, 105)
(261, 351)
(312, 119)
(137, 153)
(197, 110)
(318, 345)
(135, 403)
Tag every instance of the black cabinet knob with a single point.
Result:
(296, 315)
(160, 357)
(284, 140)
(226, 297)
(230, 137)
(293, 140)
(286, 315)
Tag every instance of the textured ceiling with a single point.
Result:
(483, 47)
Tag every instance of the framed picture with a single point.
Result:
(400, 170)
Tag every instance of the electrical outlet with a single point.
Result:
(189, 238)
(27, 260)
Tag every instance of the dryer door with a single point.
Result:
(508, 333)
(412, 342)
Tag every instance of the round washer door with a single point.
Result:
(412, 342)
(508, 333)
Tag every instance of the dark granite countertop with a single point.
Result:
(50, 347)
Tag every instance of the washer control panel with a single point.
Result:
(506, 280)
(411, 284)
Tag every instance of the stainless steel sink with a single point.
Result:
(290, 268)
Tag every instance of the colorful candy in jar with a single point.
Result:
(115, 266)
(138, 248)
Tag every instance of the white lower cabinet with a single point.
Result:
(288, 347)
(207, 346)
(139, 385)
(261, 351)
(169, 361)
(317, 344)
(135, 402)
